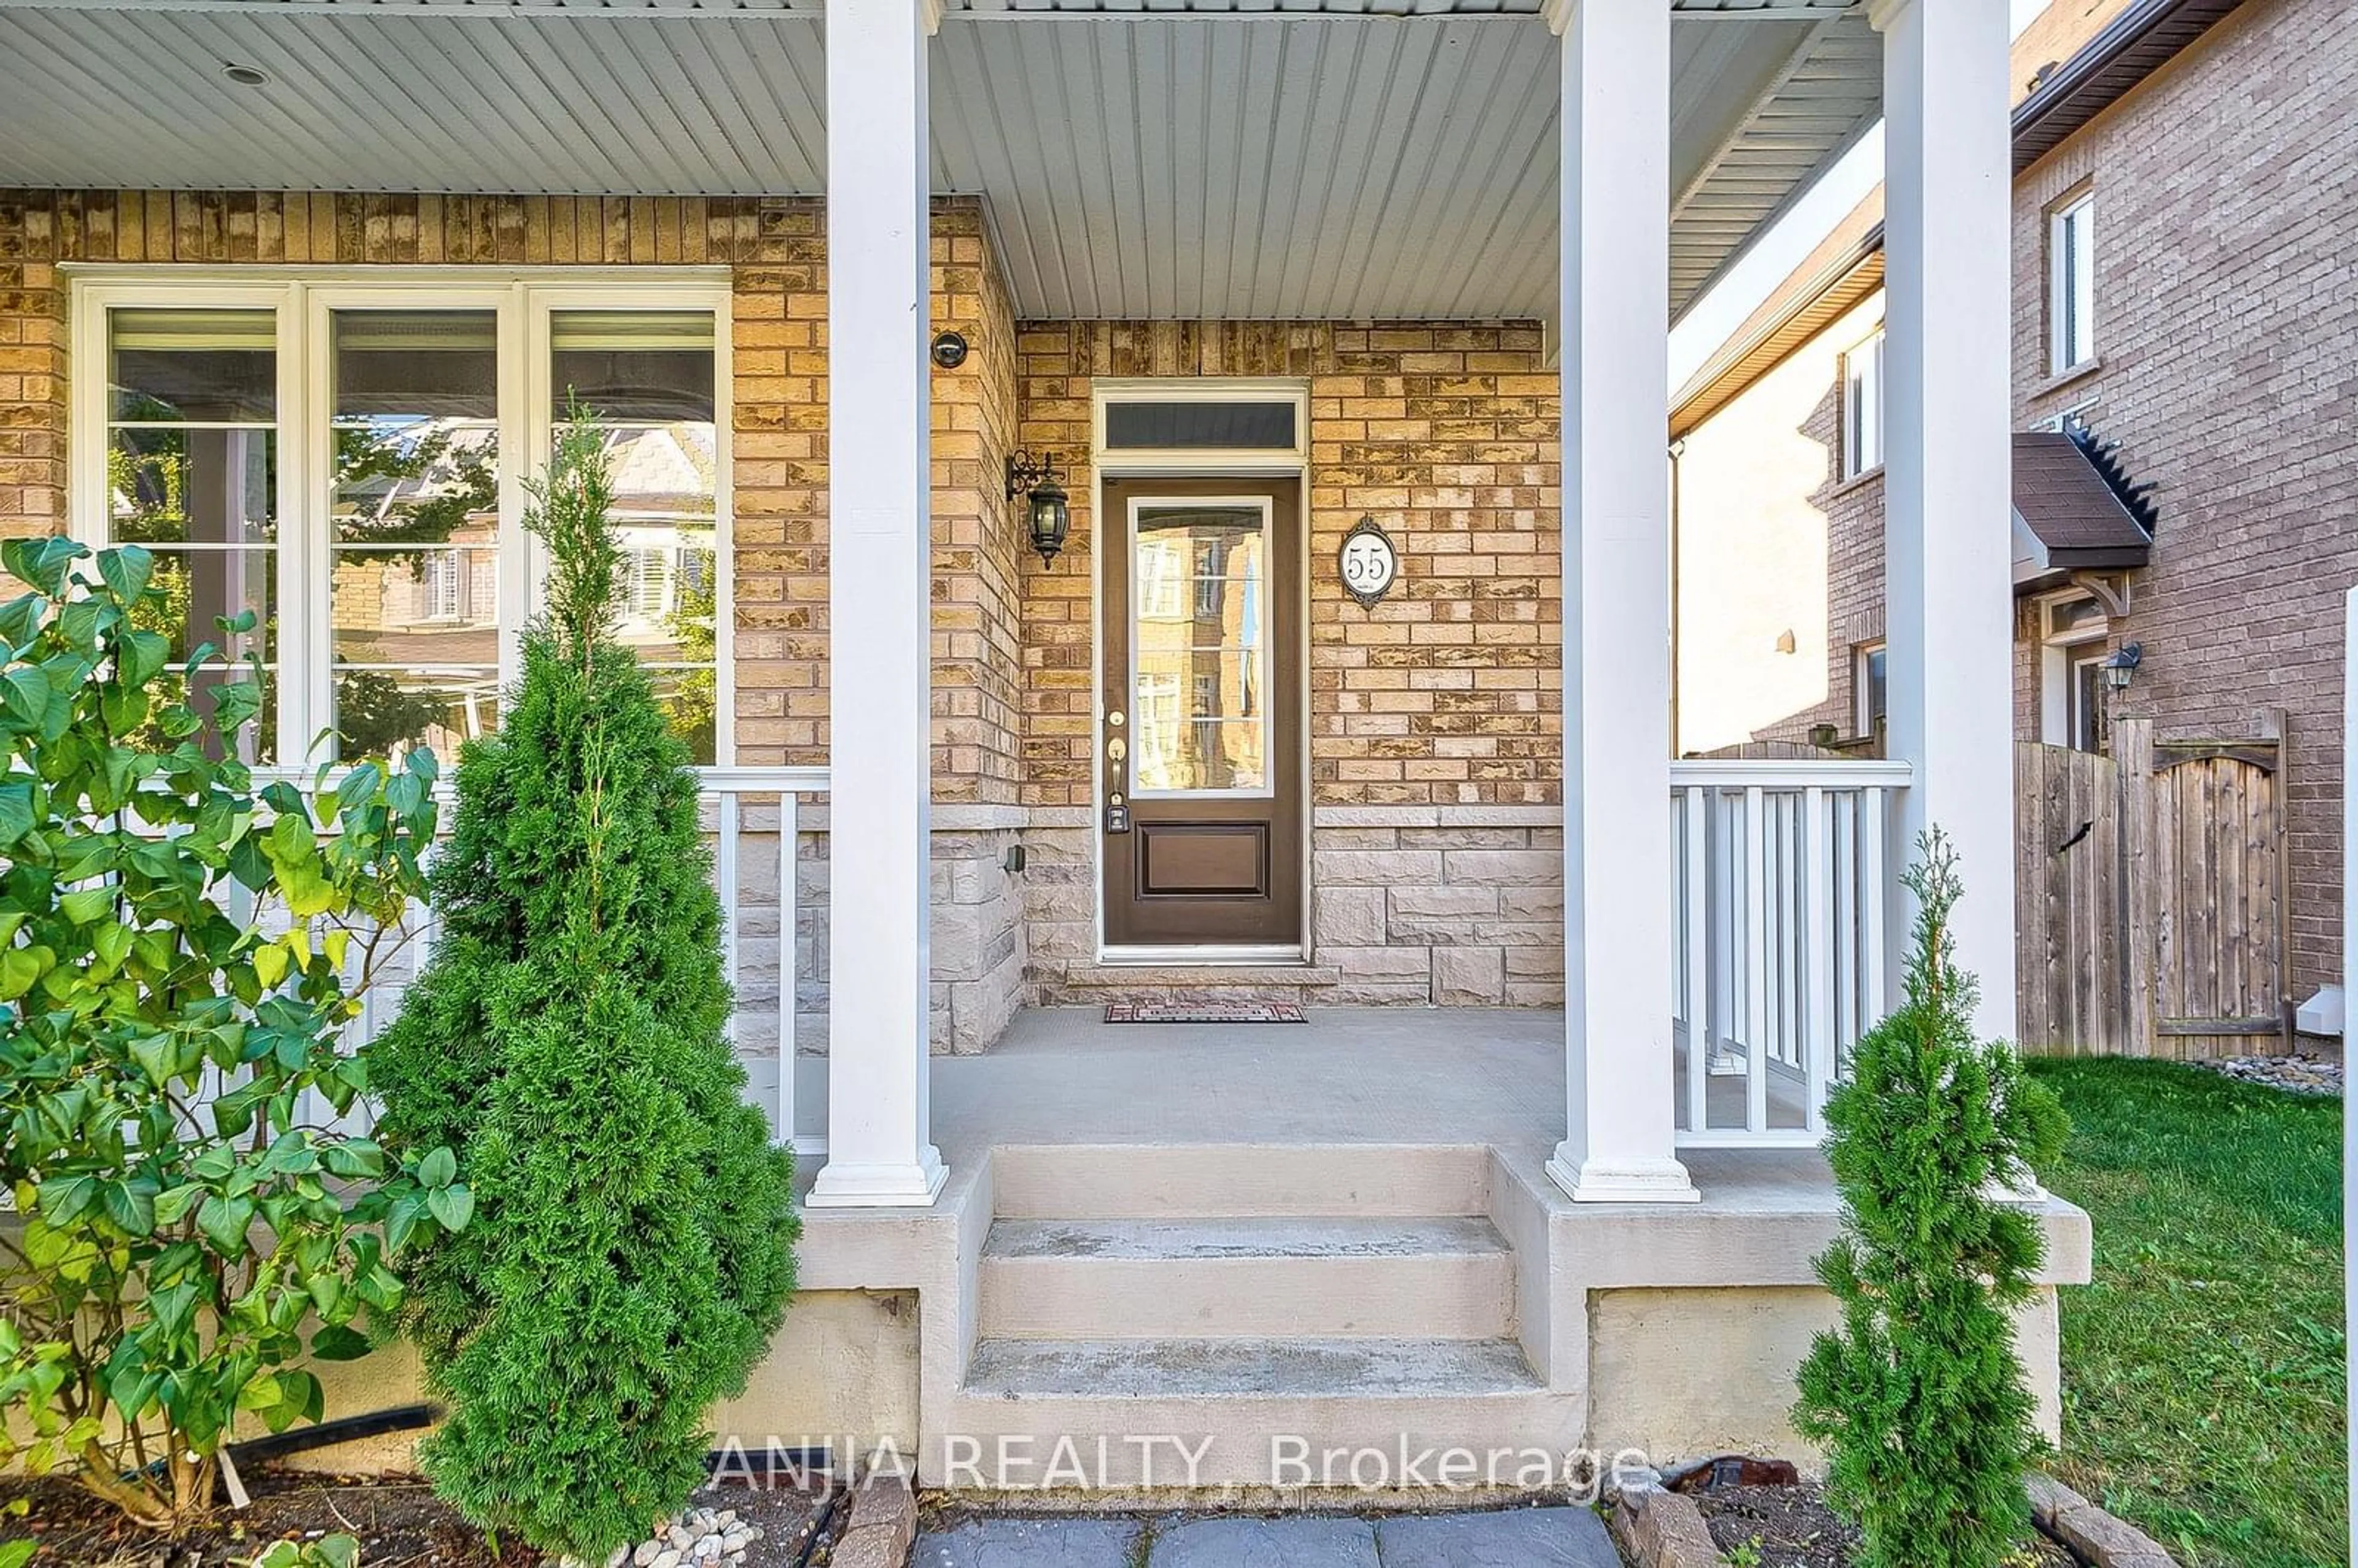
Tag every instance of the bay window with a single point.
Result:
(347, 460)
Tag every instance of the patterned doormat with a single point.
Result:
(1199, 1012)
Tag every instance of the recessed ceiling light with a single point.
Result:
(246, 75)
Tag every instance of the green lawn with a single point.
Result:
(2203, 1383)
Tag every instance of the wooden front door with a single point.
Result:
(1200, 749)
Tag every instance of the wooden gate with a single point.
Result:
(2151, 895)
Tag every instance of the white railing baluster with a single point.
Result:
(1817, 872)
(1756, 957)
(1874, 899)
(789, 971)
(724, 875)
(1700, 1013)
(1782, 902)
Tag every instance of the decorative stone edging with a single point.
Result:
(883, 1525)
(2093, 1535)
(1657, 1528)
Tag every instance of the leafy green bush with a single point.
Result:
(174, 953)
(1918, 1396)
(631, 1254)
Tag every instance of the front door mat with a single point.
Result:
(1202, 1012)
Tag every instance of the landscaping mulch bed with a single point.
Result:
(398, 1520)
(1791, 1527)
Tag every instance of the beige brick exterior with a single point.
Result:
(1446, 434)
(1439, 709)
(1438, 712)
(2227, 376)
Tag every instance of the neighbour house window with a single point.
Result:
(348, 460)
(2071, 285)
(1869, 689)
(1862, 413)
(2071, 678)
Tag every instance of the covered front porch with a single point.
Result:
(1768, 895)
(1455, 235)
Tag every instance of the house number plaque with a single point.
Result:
(1370, 564)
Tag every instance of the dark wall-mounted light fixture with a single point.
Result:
(1039, 482)
(2122, 667)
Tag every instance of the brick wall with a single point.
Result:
(2227, 334)
(1447, 435)
(775, 251)
(2226, 373)
(1441, 705)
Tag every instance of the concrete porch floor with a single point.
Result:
(1342, 1228)
(1349, 1075)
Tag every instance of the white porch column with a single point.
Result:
(1947, 452)
(879, 587)
(1620, 1142)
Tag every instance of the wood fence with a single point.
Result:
(2151, 894)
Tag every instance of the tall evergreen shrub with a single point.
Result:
(1917, 1395)
(630, 1251)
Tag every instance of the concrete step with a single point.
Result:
(1249, 1411)
(1196, 1181)
(1407, 1278)
(1269, 1368)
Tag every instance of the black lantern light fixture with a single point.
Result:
(1038, 481)
(2122, 667)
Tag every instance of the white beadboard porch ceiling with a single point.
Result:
(1140, 158)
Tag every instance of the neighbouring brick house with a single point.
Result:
(1219, 568)
(2184, 195)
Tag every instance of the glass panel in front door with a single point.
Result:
(1199, 647)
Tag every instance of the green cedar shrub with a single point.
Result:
(1917, 1395)
(632, 1251)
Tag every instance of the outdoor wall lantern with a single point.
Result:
(2122, 666)
(1051, 516)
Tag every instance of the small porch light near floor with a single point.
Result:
(2122, 667)
(1052, 516)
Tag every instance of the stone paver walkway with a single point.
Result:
(1514, 1538)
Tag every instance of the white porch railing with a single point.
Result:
(1776, 940)
(773, 915)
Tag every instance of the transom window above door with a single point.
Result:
(347, 460)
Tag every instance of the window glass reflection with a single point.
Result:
(192, 474)
(413, 517)
(646, 378)
(1199, 649)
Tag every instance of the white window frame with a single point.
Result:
(303, 301)
(1862, 655)
(1862, 406)
(2072, 284)
(2061, 654)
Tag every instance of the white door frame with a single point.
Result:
(1130, 463)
